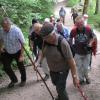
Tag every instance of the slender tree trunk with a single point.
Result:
(85, 8)
(97, 9)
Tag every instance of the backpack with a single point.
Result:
(59, 47)
(60, 38)
(81, 42)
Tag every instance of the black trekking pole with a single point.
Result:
(35, 68)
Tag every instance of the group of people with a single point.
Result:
(52, 45)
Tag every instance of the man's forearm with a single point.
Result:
(72, 67)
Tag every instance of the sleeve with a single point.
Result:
(89, 30)
(66, 32)
(20, 36)
(92, 35)
(71, 33)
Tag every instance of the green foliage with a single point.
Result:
(92, 5)
(94, 20)
(71, 3)
(22, 11)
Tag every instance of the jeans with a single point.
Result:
(59, 80)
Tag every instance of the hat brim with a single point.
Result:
(46, 36)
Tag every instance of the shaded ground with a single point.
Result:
(34, 90)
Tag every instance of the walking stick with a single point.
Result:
(82, 93)
(35, 68)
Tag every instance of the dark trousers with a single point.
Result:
(59, 80)
(7, 59)
(35, 52)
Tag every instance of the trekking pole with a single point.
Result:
(82, 93)
(35, 68)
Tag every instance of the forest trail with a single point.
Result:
(34, 90)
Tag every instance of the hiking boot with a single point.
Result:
(22, 83)
(88, 81)
(12, 84)
(46, 77)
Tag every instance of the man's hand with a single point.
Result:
(37, 64)
(76, 81)
(2, 50)
(21, 58)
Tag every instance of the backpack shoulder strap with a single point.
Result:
(78, 32)
(59, 45)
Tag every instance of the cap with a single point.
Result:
(46, 29)
(46, 20)
(85, 16)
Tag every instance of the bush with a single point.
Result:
(23, 11)
(94, 20)
(71, 3)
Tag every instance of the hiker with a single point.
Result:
(32, 46)
(65, 32)
(62, 14)
(62, 30)
(83, 38)
(52, 19)
(74, 15)
(10, 35)
(38, 42)
(59, 60)
(94, 44)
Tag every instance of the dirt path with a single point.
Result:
(34, 90)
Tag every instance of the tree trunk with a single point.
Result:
(97, 9)
(85, 8)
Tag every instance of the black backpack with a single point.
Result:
(59, 46)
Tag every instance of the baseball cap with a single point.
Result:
(46, 29)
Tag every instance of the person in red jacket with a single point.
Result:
(84, 38)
